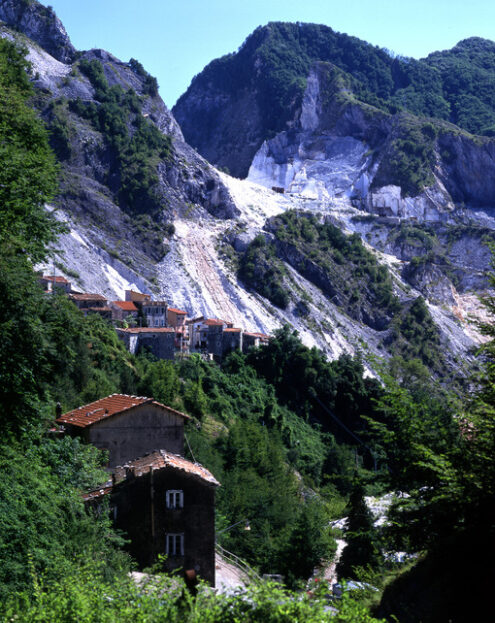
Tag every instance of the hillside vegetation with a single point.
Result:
(50, 352)
(349, 275)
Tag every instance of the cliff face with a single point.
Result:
(40, 24)
(126, 172)
(339, 148)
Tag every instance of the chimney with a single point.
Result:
(58, 410)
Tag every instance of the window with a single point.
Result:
(174, 544)
(175, 498)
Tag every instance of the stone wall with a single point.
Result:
(142, 513)
(136, 432)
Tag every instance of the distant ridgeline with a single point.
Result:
(272, 65)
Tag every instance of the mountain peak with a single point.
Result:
(40, 24)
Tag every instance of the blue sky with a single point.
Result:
(175, 39)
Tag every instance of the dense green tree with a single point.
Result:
(362, 548)
(43, 524)
(310, 544)
(21, 343)
(161, 381)
(333, 394)
(27, 166)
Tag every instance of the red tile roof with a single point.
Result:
(106, 407)
(97, 493)
(177, 311)
(159, 459)
(56, 279)
(87, 296)
(148, 330)
(213, 322)
(231, 330)
(260, 335)
(126, 305)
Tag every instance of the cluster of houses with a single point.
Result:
(164, 503)
(143, 323)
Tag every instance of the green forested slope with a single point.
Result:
(434, 87)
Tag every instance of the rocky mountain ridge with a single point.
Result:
(41, 25)
(183, 235)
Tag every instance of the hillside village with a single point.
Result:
(164, 331)
(162, 501)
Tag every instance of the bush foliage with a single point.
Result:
(136, 144)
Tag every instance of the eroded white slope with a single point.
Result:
(198, 278)
(89, 267)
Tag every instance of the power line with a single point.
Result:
(348, 430)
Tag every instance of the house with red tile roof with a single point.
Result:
(206, 335)
(165, 504)
(176, 317)
(124, 310)
(126, 426)
(50, 283)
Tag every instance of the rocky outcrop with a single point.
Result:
(40, 24)
(431, 281)
(343, 150)
(467, 168)
(240, 120)
(90, 179)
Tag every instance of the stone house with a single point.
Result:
(232, 339)
(138, 298)
(160, 341)
(90, 303)
(126, 426)
(206, 335)
(176, 318)
(122, 310)
(166, 505)
(51, 283)
(155, 313)
(255, 340)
